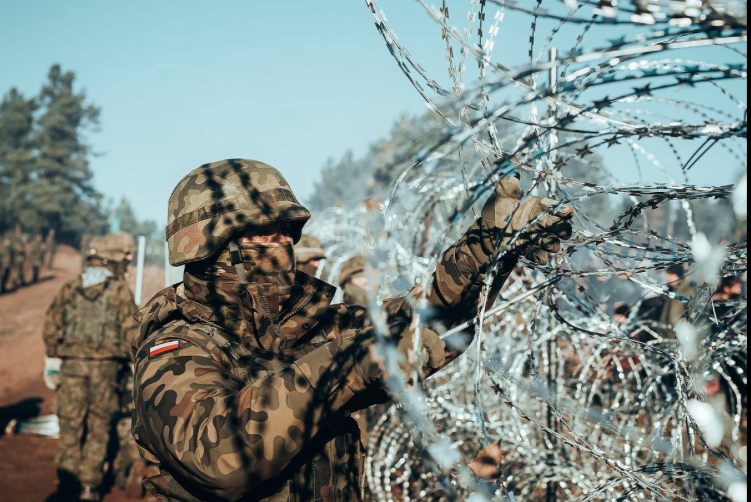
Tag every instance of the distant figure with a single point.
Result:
(85, 336)
(6, 262)
(354, 282)
(50, 248)
(621, 314)
(309, 254)
(18, 273)
(35, 251)
(665, 310)
(729, 290)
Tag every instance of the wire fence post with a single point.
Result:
(140, 269)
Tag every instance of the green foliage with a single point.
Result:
(129, 223)
(16, 154)
(349, 181)
(45, 179)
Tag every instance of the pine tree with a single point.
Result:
(16, 155)
(61, 195)
(129, 223)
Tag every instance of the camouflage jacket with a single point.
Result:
(6, 254)
(90, 323)
(231, 416)
(36, 250)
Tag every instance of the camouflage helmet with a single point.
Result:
(351, 268)
(308, 249)
(123, 241)
(110, 248)
(219, 200)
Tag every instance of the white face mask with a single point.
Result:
(93, 276)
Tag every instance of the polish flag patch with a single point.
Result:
(163, 348)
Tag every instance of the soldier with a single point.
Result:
(127, 244)
(309, 254)
(18, 268)
(6, 262)
(354, 282)
(35, 252)
(85, 333)
(668, 311)
(246, 373)
(50, 247)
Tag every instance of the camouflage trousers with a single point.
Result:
(87, 401)
(127, 453)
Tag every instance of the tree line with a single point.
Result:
(46, 182)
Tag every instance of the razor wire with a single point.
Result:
(585, 406)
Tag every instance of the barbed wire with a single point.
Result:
(585, 406)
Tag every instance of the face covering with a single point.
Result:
(265, 271)
(93, 276)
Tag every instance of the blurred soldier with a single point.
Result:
(50, 248)
(128, 467)
(309, 253)
(35, 252)
(354, 282)
(6, 262)
(127, 245)
(85, 335)
(246, 373)
(18, 273)
(668, 311)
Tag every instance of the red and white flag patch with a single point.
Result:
(163, 348)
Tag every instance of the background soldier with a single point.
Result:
(85, 335)
(354, 282)
(246, 373)
(35, 251)
(18, 272)
(50, 248)
(309, 254)
(6, 262)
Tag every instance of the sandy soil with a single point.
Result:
(27, 471)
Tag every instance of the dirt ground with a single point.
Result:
(27, 471)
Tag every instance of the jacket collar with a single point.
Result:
(218, 303)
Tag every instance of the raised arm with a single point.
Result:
(533, 227)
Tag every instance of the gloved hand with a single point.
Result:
(536, 240)
(369, 367)
(487, 464)
(52, 366)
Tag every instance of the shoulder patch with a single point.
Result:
(164, 348)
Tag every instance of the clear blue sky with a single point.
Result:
(185, 82)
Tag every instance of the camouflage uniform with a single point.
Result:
(35, 253)
(309, 253)
(86, 328)
(242, 397)
(50, 247)
(353, 293)
(6, 262)
(18, 268)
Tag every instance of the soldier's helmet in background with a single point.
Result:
(123, 241)
(351, 268)
(308, 249)
(113, 248)
(219, 200)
